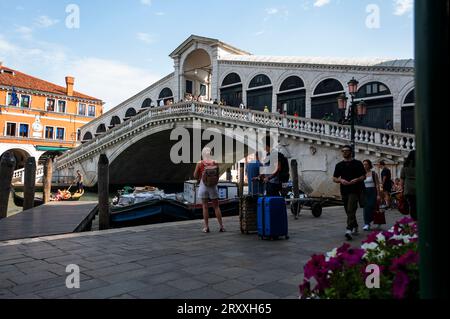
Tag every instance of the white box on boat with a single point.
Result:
(227, 190)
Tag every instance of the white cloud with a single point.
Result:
(320, 3)
(276, 12)
(402, 6)
(272, 11)
(109, 80)
(160, 13)
(26, 32)
(259, 33)
(146, 2)
(145, 37)
(45, 21)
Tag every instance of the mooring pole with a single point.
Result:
(30, 183)
(103, 192)
(241, 179)
(47, 180)
(7, 166)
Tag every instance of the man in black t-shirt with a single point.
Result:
(350, 174)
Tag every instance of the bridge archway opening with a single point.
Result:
(115, 120)
(165, 97)
(231, 90)
(408, 106)
(292, 97)
(380, 104)
(148, 161)
(197, 73)
(20, 156)
(259, 93)
(324, 103)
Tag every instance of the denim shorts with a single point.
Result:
(207, 192)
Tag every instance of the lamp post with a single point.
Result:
(356, 111)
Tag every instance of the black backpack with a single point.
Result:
(284, 172)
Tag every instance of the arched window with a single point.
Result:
(165, 97)
(130, 113)
(292, 97)
(259, 94)
(328, 86)
(115, 120)
(101, 129)
(87, 136)
(291, 83)
(380, 105)
(325, 106)
(232, 78)
(408, 118)
(259, 80)
(372, 89)
(232, 93)
(147, 103)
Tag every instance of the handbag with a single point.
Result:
(403, 206)
(378, 216)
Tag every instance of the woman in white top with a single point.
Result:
(371, 194)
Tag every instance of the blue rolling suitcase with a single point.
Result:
(272, 218)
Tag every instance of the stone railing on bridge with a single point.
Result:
(320, 129)
(19, 175)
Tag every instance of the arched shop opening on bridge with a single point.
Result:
(324, 104)
(129, 114)
(165, 97)
(100, 129)
(380, 104)
(231, 90)
(147, 103)
(259, 93)
(408, 125)
(115, 120)
(292, 97)
(87, 137)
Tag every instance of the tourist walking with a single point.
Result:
(386, 184)
(408, 181)
(350, 174)
(207, 172)
(371, 194)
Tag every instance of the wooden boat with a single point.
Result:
(18, 200)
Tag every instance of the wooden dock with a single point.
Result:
(51, 219)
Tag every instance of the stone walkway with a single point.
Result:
(173, 260)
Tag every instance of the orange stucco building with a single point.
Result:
(41, 118)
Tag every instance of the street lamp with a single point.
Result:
(356, 112)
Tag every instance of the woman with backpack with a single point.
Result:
(207, 172)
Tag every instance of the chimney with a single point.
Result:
(69, 85)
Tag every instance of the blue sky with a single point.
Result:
(122, 46)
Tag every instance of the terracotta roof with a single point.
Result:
(25, 81)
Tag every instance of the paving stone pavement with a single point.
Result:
(173, 260)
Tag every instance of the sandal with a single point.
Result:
(222, 229)
(206, 230)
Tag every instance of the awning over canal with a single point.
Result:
(51, 149)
